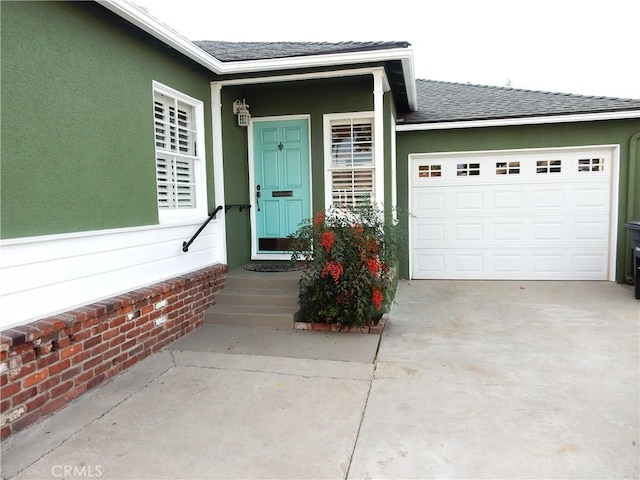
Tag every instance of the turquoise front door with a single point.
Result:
(281, 182)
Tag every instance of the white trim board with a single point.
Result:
(46, 275)
(506, 122)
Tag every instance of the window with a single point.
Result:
(507, 168)
(548, 166)
(178, 126)
(429, 171)
(591, 165)
(351, 165)
(467, 169)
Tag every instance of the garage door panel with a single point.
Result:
(591, 199)
(429, 202)
(510, 232)
(549, 200)
(502, 219)
(508, 200)
(502, 200)
(510, 264)
(592, 263)
(590, 230)
(469, 232)
(429, 231)
(466, 201)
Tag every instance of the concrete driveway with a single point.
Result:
(505, 380)
(472, 380)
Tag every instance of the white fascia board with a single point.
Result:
(506, 122)
(307, 76)
(141, 19)
(138, 17)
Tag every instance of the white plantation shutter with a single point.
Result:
(351, 187)
(176, 152)
(352, 164)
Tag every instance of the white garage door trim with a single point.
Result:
(538, 214)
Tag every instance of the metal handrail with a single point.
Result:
(185, 245)
(241, 206)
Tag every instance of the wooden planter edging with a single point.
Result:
(338, 327)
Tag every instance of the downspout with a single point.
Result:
(631, 195)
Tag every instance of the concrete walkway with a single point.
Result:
(472, 380)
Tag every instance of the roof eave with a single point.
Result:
(165, 34)
(533, 120)
(404, 55)
(141, 19)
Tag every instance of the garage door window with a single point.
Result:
(427, 171)
(548, 166)
(591, 165)
(468, 169)
(507, 168)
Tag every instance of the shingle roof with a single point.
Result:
(438, 101)
(242, 51)
(450, 102)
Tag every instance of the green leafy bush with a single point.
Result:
(350, 256)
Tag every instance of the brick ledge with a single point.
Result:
(338, 327)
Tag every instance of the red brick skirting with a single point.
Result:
(46, 364)
(337, 327)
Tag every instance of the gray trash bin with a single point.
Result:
(634, 230)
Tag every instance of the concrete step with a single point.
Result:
(256, 280)
(258, 297)
(252, 315)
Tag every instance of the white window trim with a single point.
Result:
(200, 175)
(330, 118)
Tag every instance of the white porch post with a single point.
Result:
(378, 134)
(218, 165)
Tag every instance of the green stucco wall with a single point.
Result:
(77, 125)
(618, 132)
(312, 97)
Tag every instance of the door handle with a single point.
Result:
(258, 195)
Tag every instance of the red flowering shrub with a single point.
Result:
(377, 298)
(327, 240)
(333, 269)
(348, 252)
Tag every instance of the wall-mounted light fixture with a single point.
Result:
(241, 109)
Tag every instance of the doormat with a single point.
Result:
(272, 267)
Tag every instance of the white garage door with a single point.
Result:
(539, 215)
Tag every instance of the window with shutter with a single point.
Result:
(179, 165)
(351, 167)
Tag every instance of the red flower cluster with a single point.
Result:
(334, 269)
(327, 240)
(318, 219)
(377, 298)
(372, 247)
(374, 266)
